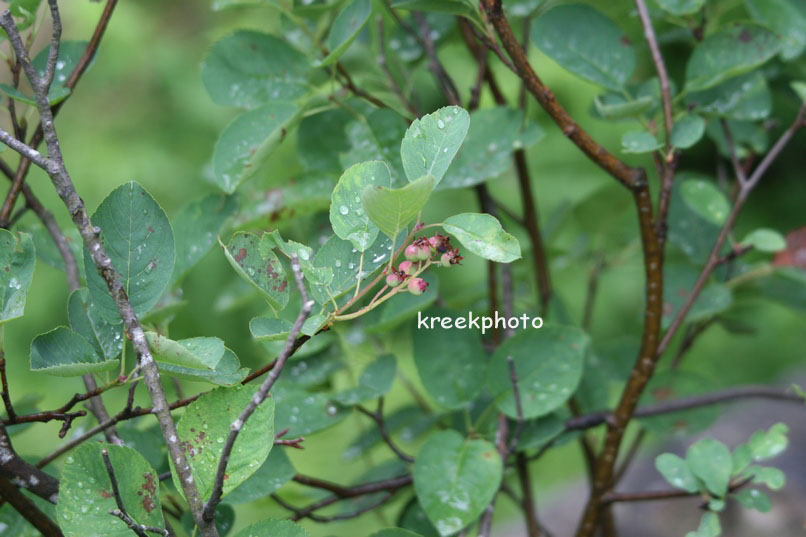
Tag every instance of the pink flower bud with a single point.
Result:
(417, 286)
(445, 260)
(412, 252)
(424, 251)
(406, 267)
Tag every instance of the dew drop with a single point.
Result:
(440, 124)
(343, 209)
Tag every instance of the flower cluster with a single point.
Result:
(420, 253)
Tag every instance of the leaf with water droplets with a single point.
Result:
(548, 362)
(138, 238)
(347, 214)
(729, 52)
(204, 428)
(483, 235)
(264, 272)
(392, 209)
(247, 69)
(69, 54)
(228, 371)
(745, 97)
(456, 479)
(86, 496)
(64, 353)
(431, 142)
(345, 28)
(639, 142)
(246, 143)
(587, 43)
(17, 261)
(196, 227)
(272, 474)
(451, 382)
(303, 412)
(711, 461)
(787, 19)
(494, 134)
(676, 472)
(705, 198)
(105, 337)
(376, 136)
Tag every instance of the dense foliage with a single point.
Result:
(380, 274)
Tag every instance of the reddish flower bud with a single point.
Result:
(406, 267)
(425, 252)
(394, 279)
(451, 257)
(412, 252)
(417, 286)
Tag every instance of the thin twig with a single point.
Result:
(377, 417)
(260, 395)
(660, 67)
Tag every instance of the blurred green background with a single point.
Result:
(141, 113)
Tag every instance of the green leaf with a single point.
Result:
(272, 474)
(785, 19)
(193, 353)
(768, 444)
(729, 52)
(346, 263)
(487, 151)
(453, 7)
(247, 69)
(451, 362)
(64, 353)
(765, 240)
(17, 261)
(455, 479)
(748, 137)
(483, 235)
(392, 209)
(705, 199)
(70, 52)
(681, 7)
(754, 499)
(347, 213)
(86, 320)
(674, 384)
(138, 239)
(25, 10)
(714, 298)
(413, 518)
(539, 432)
(639, 142)
(203, 430)
(375, 380)
(687, 131)
(548, 362)
(273, 528)
(249, 140)
(709, 526)
(280, 206)
(264, 273)
(315, 275)
(711, 461)
(196, 227)
(376, 136)
(85, 492)
(346, 26)
(228, 371)
(745, 97)
(773, 478)
(327, 128)
(742, 457)
(304, 413)
(587, 43)
(676, 472)
(269, 329)
(431, 142)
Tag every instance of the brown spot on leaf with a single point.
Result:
(105, 494)
(283, 286)
(626, 41)
(150, 229)
(662, 394)
(240, 256)
(794, 255)
(745, 36)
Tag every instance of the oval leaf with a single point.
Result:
(345, 29)
(205, 426)
(86, 497)
(548, 363)
(587, 43)
(347, 213)
(194, 353)
(676, 472)
(246, 142)
(64, 353)
(431, 142)
(455, 479)
(711, 461)
(249, 68)
(483, 235)
(228, 371)
(86, 320)
(391, 209)
(687, 131)
(729, 52)
(264, 272)
(639, 142)
(765, 240)
(705, 199)
(138, 238)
